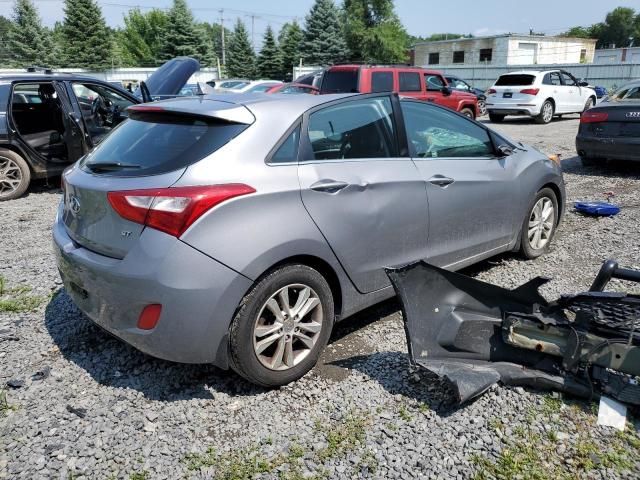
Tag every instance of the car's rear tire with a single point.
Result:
(482, 108)
(15, 175)
(277, 337)
(546, 113)
(539, 225)
(495, 118)
(467, 112)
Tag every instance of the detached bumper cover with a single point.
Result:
(475, 334)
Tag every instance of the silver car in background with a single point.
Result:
(237, 229)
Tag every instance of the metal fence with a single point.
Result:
(483, 76)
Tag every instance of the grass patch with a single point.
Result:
(531, 455)
(5, 406)
(404, 413)
(144, 475)
(17, 299)
(343, 436)
(238, 465)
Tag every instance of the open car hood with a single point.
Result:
(475, 334)
(168, 79)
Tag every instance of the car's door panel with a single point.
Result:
(468, 187)
(369, 203)
(571, 93)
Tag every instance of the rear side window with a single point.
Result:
(151, 144)
(381, 82)
(340, 81)
(409, 81)
(353, 130)
(515, 80)
(552, 78)
(288, 150)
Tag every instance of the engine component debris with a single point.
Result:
(475, 334)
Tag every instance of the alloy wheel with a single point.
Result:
(541, 223)
(287, 327)
(547, 112)
(10, 176)
(482, 108)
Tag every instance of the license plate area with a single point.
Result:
(507, 95)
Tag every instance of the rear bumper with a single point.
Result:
(198, 295)
(613, 148)
(529, 111)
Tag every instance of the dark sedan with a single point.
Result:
(459, 84)
(611, 130)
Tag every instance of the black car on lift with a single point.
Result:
(49, 120)
(611, 129)
(459, 84)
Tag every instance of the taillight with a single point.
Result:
(492, 90)
(172, 210)
(530, 91)
(591, 116)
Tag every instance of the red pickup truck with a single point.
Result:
(427, 85)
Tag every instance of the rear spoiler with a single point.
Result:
(206, 109)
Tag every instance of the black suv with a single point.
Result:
(459, 84)
(49, 120)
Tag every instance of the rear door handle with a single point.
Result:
(328, 186)
(441, 180)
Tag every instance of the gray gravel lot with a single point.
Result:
(92, 407)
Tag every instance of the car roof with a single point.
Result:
(288, 106)
(28, 76)
(532, 72)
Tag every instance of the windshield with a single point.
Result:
(628, 92)
(515, 80)
(152, 144)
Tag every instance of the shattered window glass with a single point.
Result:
(435, 132)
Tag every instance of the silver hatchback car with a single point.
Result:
(236, 230)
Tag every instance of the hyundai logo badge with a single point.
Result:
(74, 204)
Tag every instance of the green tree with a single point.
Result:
(269, 61)
(86, 42)
(578, 32)
(374, 32)
(181, 37)
(141, 40)
(5, 27)
(290, 38)
(28, 42)
(241, 59)
(619, 28)
(323, 40)
(212, 38)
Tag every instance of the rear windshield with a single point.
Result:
(152, 144)
(340, 81)
(515, 80)
(628, 92)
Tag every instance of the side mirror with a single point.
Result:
(582, 83)
(505, 150)
(446, 91)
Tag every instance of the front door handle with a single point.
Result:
(441, 180)
(328, 186)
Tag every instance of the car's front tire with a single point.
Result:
(546, 112)
(281, 326)
(467, 112)
(15, 175)
(539, 225)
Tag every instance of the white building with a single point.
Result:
(617, 55)
(502, 50)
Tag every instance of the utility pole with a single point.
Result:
(253, 25)
(224, 57)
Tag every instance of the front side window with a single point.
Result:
(435, 83)
(458, 84)
(353, 130)
(409, 82)
(381, 82)
(568, 80)
(435, 133)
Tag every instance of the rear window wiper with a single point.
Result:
(110, 166)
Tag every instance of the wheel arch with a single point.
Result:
(17, 150)
(556, 190)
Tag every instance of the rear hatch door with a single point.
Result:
(170, 78)
(149, 151)
(622, 120)
(508, 88)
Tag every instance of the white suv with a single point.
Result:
(538, 94)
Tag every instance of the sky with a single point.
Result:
(420, 17)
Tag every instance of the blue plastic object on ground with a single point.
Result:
(600, 209)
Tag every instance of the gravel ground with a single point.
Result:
(84, 405)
